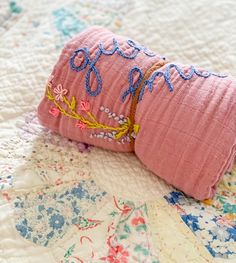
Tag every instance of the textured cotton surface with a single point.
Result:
(186, 115)
(31, 37)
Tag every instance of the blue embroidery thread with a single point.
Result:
(92, 63)
(167, 76)
(132, 85)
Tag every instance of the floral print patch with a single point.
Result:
(212, 221)
(131, 241)
(45, 216)
(128, 237)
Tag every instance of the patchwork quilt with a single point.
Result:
(65, 202)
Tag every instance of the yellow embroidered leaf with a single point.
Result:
(128, 121)
(73, 103)
(49, 94)
(49, 97)
(92, 125)
(136, 128)
(120, 134)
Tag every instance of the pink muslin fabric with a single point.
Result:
(186, 116)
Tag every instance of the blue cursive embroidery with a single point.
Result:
(166, 74)
(133, 85)
(87, 61)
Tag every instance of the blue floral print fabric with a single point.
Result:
(45, 216)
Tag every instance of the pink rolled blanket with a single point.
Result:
(112, 92)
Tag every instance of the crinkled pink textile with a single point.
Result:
(186, 136)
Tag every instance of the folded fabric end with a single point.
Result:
(227, 167)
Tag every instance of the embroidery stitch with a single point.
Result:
(54, 112)
(133, 86)
(101, 50)
(60, 92)
(110, 135)
(167, 77)
(82, 122)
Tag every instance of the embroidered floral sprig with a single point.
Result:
(84, 106)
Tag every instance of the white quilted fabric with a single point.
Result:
(32, 33)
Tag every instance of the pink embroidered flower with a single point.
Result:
(60, 92)
(84, 105)
(81, 125)
(138, 221)
(54, 112)
(117, 255)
